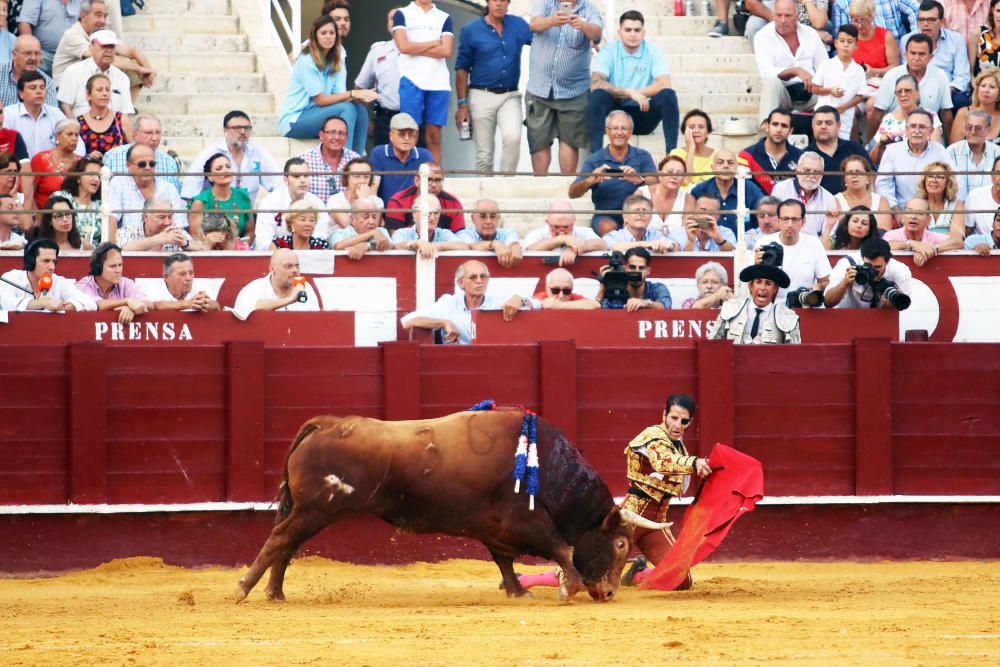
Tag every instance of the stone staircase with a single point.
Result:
(208, 55)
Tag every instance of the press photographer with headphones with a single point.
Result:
(107, 285)
(37, 287)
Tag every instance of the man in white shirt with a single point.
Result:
(250, 160)
(34, 119)
(452, 313)
(37, 287)
(177, 292)
(158, 231)
(381, 72)
(788, 55)
(271, 209)
(73, 85)
(805, 261)
(424, 36)
(846, 291)
(974, 154)
(985, 198)
(561, 233)
(283, 288)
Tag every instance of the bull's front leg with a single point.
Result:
(570, 583)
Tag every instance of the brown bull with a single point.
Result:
(450, 475)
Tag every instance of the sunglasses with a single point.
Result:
(562, 290)
(142, 164)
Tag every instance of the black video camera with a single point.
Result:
(616, 280)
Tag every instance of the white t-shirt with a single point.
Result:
(425, 72)
(858, 296)
(339, 200)
(271, 225)
(73, 88)
(261, 289)
(543, 232)
(981, 199)
(832, 74)
(805, 262)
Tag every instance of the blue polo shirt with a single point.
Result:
(493, 60)
(631, 70)
(441, 235)
(383, 158)
(754, 193)
(471, 235)
(611, 194)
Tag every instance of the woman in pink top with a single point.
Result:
(914, 236)
(108, 286)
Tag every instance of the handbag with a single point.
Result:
(740, 18)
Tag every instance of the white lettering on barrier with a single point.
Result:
(674, 329)
(142, 331)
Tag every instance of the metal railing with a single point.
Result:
(283, 21)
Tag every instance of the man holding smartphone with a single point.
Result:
(615, 172)
(559, 80)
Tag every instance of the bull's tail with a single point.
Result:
(284, 497)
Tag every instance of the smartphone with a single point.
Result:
(565, 8)
(613, 170)
(704, 223)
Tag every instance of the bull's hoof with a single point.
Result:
(275, 596)
(241, 592)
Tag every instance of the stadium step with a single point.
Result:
(204, 7)
(185, 23)
(183, 103)
(194, 61)
(184, 41)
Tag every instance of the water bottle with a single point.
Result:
(689, 8)
(678, 7)
(465, 131)
(707, 7)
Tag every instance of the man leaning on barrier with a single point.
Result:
(176, 291)
(452, 312)
(559, 295)
(636, 232)
(283, 288)
(869, 278)
(487, 235)
(561, 233)
(363, 234)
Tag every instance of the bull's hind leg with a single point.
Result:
(286, 537)
(510, 581)
(307, 527)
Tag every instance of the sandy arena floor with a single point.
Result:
(140, 611)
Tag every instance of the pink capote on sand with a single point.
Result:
(733, 489)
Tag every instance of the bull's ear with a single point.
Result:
(613, 519)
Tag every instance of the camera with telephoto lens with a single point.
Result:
(616, 280)
(804, 297)
(772, 254)
(890, 290)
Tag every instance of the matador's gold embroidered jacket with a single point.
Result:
(657, 465)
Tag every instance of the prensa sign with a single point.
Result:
(142, 331)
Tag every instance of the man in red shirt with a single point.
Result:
(452, 217)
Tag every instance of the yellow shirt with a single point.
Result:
(700, 164)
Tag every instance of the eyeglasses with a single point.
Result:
(905, 91)
(59, 215)
(936, 177)
(143, 164)
(562, 290)
(435, 180)
(788, 218)
(335, 133)
(240, 128)
(927, 19)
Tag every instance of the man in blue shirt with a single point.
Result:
(615, 172)
(723, 186)
(487, 73)
(400, 154)
(950, 50)
(632, 75)
(639, 294)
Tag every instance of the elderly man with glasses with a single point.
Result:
(128, 194)
(910, 156)
(487, 235)
(148, 132)
(806, 188)
(254, 167)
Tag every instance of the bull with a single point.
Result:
(451, 475)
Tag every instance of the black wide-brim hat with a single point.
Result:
(765, 271)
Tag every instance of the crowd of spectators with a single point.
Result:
(900, 96)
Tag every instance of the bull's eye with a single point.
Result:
(621, 544)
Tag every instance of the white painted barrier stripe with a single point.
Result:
(269, 506)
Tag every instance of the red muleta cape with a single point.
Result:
(733, 489)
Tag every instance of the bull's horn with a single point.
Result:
(630, 517)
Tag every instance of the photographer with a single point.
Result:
(804, 257)
(624, 284)
(701, 231)
(883, 281)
